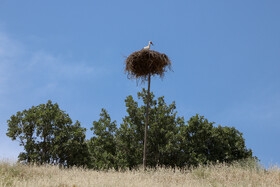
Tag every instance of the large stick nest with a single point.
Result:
(140, 64)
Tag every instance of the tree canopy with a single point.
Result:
(171, 140)
(102, 146)
(49, 136)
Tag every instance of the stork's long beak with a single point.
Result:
(152, 43)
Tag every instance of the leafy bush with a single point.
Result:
(48, 136)
(171, 141)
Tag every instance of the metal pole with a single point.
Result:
(146, 124)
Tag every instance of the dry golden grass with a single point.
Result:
(218, 175)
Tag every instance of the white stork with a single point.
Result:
(148, 47)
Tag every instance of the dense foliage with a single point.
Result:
(102, 146)
(48, 136)
(171, 142)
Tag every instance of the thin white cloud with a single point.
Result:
(8, 47)
(7, 52)
(56, 66)
(20, 68)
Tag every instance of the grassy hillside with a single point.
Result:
(218, 175)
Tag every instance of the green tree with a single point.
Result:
(171, 141)
(69, 145)
(196, 140)
(228, 145)
(48, 136)
(130, 136)
(102, 146)
(203, 143)
(162, 147)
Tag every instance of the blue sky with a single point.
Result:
(225, 54)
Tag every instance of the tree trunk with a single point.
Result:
(146, 124)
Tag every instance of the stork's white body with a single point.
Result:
(148, 47)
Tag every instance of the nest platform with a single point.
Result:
(141, 64)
